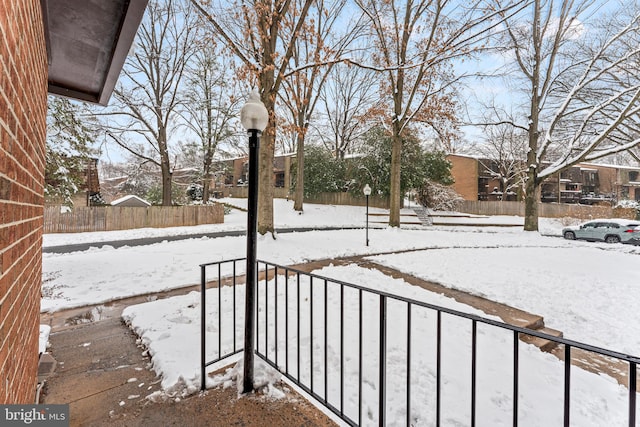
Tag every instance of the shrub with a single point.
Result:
(195, 192)
(438, 197)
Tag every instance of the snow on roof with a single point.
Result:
(621, 221)
(609, 165)
(468, 156)
(129, 197)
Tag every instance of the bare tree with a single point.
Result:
(505, 148)
(148, 95)
(416, 42)
(286, 137)
(211, 108)
(582, 87)
(319, 43)
(253, 31)
(349, 105)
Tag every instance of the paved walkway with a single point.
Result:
(105, 376)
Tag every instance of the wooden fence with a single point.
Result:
(320, 199)
(546, 210)
(108, 218)
(243, 192)
(348, 199)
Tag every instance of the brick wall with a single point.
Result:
(23, 104)
(465, 172)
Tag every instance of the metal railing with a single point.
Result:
(339, 342)
(225, 276)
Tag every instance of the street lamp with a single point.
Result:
(254, 118)
(367, 192)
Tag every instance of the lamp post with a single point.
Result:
(254, 118)
(367, 192)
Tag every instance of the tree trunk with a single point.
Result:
(267, 149)
(166, 186)
(165, 165)
(205, 190)
(206, 176)
(532, 186)
(531, 200)
(395, 195)
(266, 183)
(299, 195)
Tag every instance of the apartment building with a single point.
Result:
(586, 183)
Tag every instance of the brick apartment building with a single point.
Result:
(65, 47)
(586, 183)
(234, 173)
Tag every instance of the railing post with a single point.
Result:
(408, 364)
(275, 287)
(516, 373)
(341, 348)
(567, 385)
(383, 361)
(311, 330)
(219, 310)
(360, 355)
(438, 366)
(203, 327)
(632, 393)
(234, 306)
(474, 353)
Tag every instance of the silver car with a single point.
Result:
(605, 230)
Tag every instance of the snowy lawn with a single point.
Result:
(103, 273)
(585, 290)
(314, 215)
(589, 293)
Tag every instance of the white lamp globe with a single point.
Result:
(366, 190)
(254, 115)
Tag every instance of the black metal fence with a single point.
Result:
(374, 358)
(224, 274)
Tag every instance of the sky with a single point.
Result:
(585, 290)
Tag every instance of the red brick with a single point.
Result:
(22, 141)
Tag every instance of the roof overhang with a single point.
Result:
(87, 44)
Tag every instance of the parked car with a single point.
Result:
(605, 230)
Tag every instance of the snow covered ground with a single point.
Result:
(314, 215)
(585, 290)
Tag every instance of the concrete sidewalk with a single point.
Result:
(105, 377)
